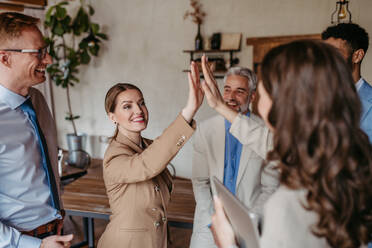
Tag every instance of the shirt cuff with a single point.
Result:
(192, 123)
(29, 242)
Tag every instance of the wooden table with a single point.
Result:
(182, 204)
(86, 197)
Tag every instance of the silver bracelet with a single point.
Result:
(233, 246)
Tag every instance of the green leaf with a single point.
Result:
(85, 22)
(57, 81)
(60, 12)
(58, 30)
(66, 24)
(91, 10)
(83, 44)
(48, 14)
(53, 22)
(81, 22)
(84, 57)
(94, 49)
(75, 79)
(48, 41)
(94, 27)
(102, 35)
(65, 83)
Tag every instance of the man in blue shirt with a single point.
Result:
(218, 153)
(352, 42)
(30, 206)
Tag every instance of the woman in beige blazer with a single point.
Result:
(134, 168)
(308, 99)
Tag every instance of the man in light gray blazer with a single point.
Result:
(352, 42)
(218, 153)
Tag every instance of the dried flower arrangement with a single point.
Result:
(198, 14)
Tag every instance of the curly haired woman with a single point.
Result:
(308, 99)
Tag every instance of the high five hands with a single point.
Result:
(209, 88)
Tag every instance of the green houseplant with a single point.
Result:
(72, 41)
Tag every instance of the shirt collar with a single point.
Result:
(359, 84)
(13, 100)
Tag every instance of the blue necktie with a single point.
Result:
(28, 109)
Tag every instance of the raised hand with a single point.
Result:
(57, 241)
(196, 94)
(213, 95)
(210, 87)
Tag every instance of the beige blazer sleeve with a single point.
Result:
(245, 129)
(251, 131)
(123, 167)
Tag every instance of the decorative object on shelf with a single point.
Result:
(342, 13)
(207, 44)
(216, 41)
(72, 41)
(198, 40)
(197, 16)
(231, 41)
(216, 59)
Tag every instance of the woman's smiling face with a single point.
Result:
(130, 112)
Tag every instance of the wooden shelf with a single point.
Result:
(217, 74)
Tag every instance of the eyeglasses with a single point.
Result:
(41, 53)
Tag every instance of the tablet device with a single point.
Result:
(239, 216)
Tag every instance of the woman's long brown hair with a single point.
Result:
(316, 116)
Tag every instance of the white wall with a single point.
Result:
(145, 47)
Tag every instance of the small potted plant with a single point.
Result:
(72, 41)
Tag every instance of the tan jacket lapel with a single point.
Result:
(121, 138)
